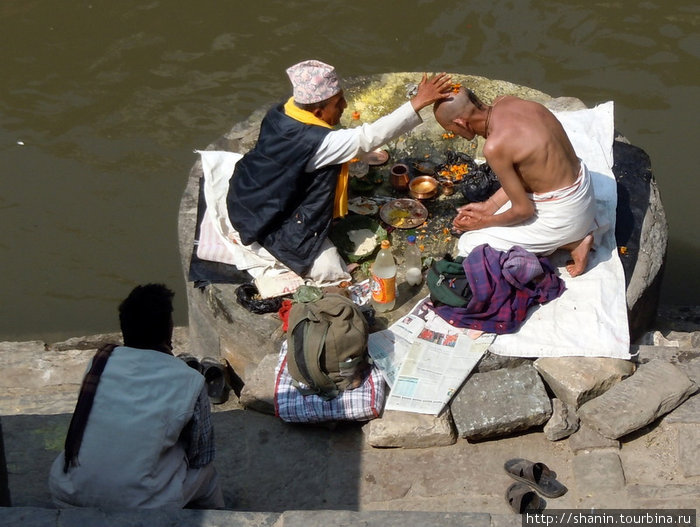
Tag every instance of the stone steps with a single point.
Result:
(37, 517)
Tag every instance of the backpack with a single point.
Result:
(327, 345)
(448, 282)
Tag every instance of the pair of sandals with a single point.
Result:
(532, 478)
(215, 376)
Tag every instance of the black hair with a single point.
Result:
(145, 316)
(475, 100)
(310, 107)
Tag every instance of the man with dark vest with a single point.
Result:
(285, 192)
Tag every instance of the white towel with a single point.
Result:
(590, 317)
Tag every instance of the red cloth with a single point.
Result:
(284, 313)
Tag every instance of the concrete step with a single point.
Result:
(38, 517)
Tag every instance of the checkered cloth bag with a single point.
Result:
(361, 404)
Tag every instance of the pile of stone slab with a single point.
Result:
(594, 400)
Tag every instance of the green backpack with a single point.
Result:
(326, 345)
(447, 282)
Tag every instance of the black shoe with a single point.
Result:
(216, 377)
(191, 361)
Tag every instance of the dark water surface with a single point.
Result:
(102, 103)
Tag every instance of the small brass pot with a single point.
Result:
(423, 187)
(399, 176)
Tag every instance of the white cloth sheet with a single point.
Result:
(220, 242)
(590, 318)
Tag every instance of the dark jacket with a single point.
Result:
(273, 201)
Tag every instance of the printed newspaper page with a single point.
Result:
(425, 360)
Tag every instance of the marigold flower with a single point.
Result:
(356, 115)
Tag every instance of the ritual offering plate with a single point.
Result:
(364, 206)
(377, 157)
(404, 213)
(357, 237)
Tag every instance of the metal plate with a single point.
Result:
(377, 157)
(404, 213)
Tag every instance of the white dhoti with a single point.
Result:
(561, 217)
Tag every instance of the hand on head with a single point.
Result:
(432, 89)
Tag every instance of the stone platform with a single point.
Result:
(275, 473)
(219, 325)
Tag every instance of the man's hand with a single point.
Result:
(473, 216)
(432, 89)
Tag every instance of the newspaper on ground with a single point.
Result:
(425, 360)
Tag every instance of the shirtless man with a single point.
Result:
(546, 199)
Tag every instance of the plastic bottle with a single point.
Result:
(384, 279)
(412, 262)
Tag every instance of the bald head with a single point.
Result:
(460, 105)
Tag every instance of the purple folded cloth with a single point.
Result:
(504, 286)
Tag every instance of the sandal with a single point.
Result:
(536, 475)
(191, 361)
(216, 379)
(523, 499)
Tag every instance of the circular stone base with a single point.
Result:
(220, 326)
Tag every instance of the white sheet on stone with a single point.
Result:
(590, 318)
(220, 242)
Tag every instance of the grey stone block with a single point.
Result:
(258, 393)
(575, 380)
(28, 517)
(411, 430)
(656, 389)
(686, 412)
(598, 473)
(492, 361)
(688, 443)
(563, 422)
(586, 438)
(500, 402)
(165, 518)
(384, 518)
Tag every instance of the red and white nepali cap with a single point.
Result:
(313, 81)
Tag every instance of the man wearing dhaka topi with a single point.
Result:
(546, 200)
(286, 191)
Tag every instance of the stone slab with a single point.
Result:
(411, 430)
(563, 422)
(598, 473)
(688, 445)
(258, 393)
(687, 412)
(165, 518)
(586, 438)
(384, 518)
(575, 380)
(492, 361)
(679, 496)
(28, 517)
(500, 402)
(654, 390)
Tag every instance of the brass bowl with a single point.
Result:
(423, 187)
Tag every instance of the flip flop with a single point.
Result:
(523, 499)
(536, 475)
(216, 380)
(191, 361)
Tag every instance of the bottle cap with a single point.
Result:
(386, 244)
(411, 239)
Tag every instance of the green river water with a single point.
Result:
(103, 102)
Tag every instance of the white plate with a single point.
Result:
(364, 206)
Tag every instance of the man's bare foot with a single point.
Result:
(579, 253)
